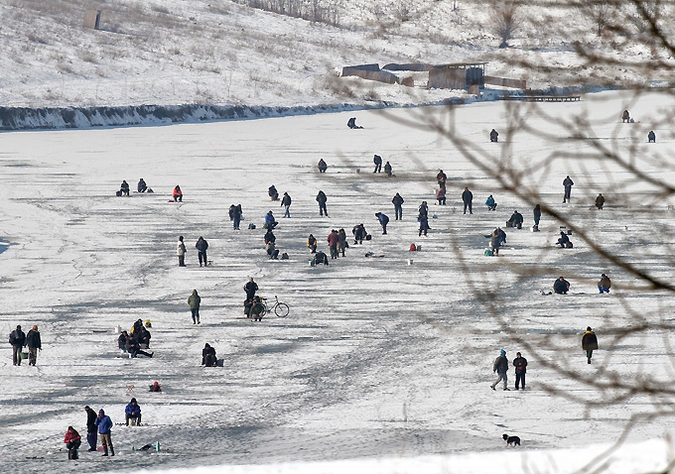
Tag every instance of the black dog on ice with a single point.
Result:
(511, 440)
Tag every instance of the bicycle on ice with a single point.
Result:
(260, 308)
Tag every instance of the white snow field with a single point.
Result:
(382, 365)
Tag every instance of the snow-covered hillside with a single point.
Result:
(221, 53)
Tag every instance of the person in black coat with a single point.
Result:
(142, 187)
(520, 363)
(494, 135)
(201, 247)
(133, 348)
(651, 136)
(322, 166)
(124, 188)
(600, 201)
(143, 338)
(561, 286)
(359, 232)
(398, 201)
(209, 356)
(377, 159)
(567, 184)
(34, 344)
(516, 220)
(320, 258)
(17, 339)
(321, 199)
(250, 288)
(467, 199)
(91, 428)
(122, 341)
(589, 343)
(235, 213)
(423, 209)
(564, 241)
(273, 193)
(537, 216)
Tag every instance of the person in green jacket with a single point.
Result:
(194, 300)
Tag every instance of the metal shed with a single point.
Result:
(457, 75)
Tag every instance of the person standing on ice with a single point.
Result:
(467, 199)
(398, 201)
(537, 216)
(342, 242)
(424, 224)
(567, 184)
(286, 204)
(235, 215)
(250, 288)
(105, 424)
(423, 209)
(333, 240)
(321, 199)
(181, 251)
(17, 339)
(441, 178)
(440, 195)
(494, 136)
(91, 428)
(651, 136)
(520, 363)
(194, 301)
(34, 344)
(600, 201)
(201, 247)
(589, 343)
(500, 367)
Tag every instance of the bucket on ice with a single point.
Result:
(410, 261)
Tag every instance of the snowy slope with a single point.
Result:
(221, 53)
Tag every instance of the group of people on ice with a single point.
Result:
(500, 366)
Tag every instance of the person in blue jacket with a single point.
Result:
(384, 220)
(133, 412)
(270, 221)
(105, 424)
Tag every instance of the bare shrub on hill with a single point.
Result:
(505, 19)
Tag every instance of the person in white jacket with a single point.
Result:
(181, 251)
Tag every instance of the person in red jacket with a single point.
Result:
(177, 194)
(333, 239)
(73, 441)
